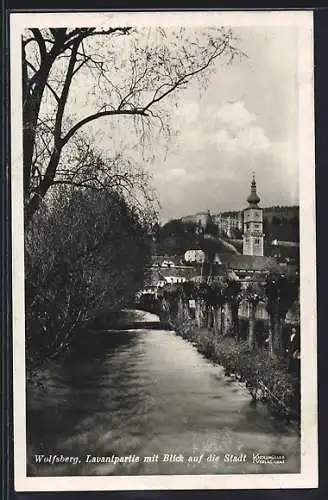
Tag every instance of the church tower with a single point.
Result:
(253, 224)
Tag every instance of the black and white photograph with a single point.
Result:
(163, 235)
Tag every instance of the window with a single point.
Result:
(257, 241)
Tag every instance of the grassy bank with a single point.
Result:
(267, 379)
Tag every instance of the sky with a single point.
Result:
(245, 121)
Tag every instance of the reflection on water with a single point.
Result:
(149, 393)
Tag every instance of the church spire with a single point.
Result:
(253, 199)
(253, 237)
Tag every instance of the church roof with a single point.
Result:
(253, 199)
(249, 262)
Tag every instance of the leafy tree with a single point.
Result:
(276, 221)
(237, 233)
(210, 226)
(174, 227)
(156, 230)
(189, 290)
(117, 72)
(190, 227)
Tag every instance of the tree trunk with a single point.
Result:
(198, 313)
(215, 321)
(168, 309)
(209, 317)
(251, 327)
(271, 334)
(277, 340)
(180, 313)
(31, 109)
(203, 320)
(235, 320)
(222, 321)
(186, 308)
(227, 319)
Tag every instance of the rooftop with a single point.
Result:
(253, 199)
(178, 272)
(249, 262)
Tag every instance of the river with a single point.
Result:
(149, 393)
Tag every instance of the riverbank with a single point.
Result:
(266, 378)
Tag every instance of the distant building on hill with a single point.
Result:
(200, 218)
(228, 222)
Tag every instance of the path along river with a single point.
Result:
(147, 393)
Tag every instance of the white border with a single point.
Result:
(308, 478)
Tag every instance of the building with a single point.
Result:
(214, 256)
(177, 275)
(165, 270)
(159, 261)
(253, 236)
(200, 219)
(229, 222)
(194, 256)
(249, 267)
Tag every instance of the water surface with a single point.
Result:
(146, 393)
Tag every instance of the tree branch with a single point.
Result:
(185, 77)
(35, 76)
(101, 114)
(40, 40)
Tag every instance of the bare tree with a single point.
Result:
(84, 165)
(118, 71)
(83, 254)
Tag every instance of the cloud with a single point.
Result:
(171, 175)
(236, 132)
(251, 139)
(175, 173)
(231, 129)
(214, 155)
(235, 116)
(187, 113)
